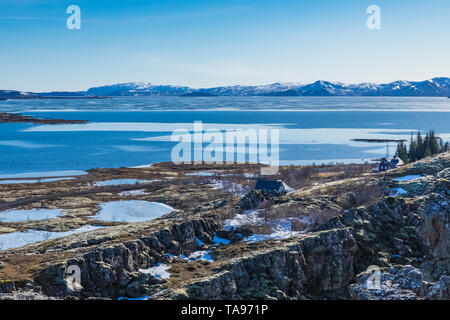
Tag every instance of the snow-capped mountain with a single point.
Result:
(436, 87)
(117, 88)
(12, 94)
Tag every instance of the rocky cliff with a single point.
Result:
(400, 238)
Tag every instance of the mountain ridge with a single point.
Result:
(435, 87)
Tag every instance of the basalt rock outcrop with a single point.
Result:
(112, 271)
(399, 283)
(317, 265)
(404, 237)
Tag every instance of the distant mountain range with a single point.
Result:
(436, 87)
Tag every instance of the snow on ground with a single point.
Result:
(117, 182)
(245, 175)
(407, 178)
(32, 214)
(135, 299)
(202, 173)
(195, 256)
(34, 180)
(131, 211)
(248, 218)
(200, 255)
(139, 192)
(155, 295)
(236, 188)
(19, 239)
(397, 191)
(143, 166)
(158, 272)
(217, 241)
(278, 234)
(287, 188)
(280, 228)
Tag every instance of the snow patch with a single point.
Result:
(397, 191)
(217, 241)
(249, 218)
(195, 256)
(143, 166)
(236, 188)
(199, 242)
(407, 178)
(279, 233)
(158, 272)
(139, 192)
(134, 299)
(200, 255)
(202, 173)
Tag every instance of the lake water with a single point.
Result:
(133, 131)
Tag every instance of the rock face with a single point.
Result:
(252, 199)
(6, 286)
(400, 283)
(407, 238)
(321, 264)
(440, 290)
(385, 233)
(404, 239)
(113, 271)
(421, 236)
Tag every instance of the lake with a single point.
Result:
(134, 131)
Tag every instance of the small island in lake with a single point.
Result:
(17, 118)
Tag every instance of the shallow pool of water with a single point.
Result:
(31, 214)
(19, 239)
(131, 211)
(118, 182)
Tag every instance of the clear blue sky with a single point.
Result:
(203, 43)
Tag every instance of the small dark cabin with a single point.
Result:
(384, 165)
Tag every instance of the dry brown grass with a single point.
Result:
(361, 194)
(323, 215)
(299, 177)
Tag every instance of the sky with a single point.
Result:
(201, 43)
